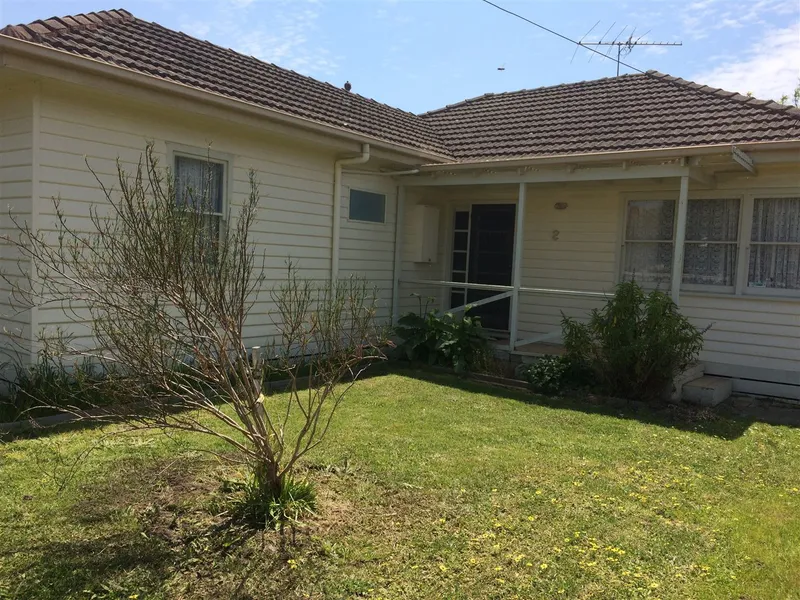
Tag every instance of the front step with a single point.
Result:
(707, 390)
(692, 372)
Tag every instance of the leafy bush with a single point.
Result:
(556, 374)
(636, 344)
(445, 339)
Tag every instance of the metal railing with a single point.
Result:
(506, 291)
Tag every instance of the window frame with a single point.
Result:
(743, 233)
(207, 155)
(627, 199)
(746, 236)
(352, 189)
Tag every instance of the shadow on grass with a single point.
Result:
(101, 566)
(144, 529)
(681, 417)
(376, 370)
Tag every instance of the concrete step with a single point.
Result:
(707, 390)
(692, 372)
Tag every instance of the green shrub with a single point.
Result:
(254, 504)
(445, 339)
(556, 374)
(636, 344)
(79, 386)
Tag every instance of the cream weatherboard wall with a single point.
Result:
(367, 248)
(752, 337)
(17, 108)
(295, 181)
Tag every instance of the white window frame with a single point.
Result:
(627, 199)
(207, 155)
(741, 256)
(350, 191)
(746, 236)
(451, 229)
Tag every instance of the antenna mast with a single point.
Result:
(626, 47)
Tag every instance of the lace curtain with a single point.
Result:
(712, 228)
(648, 241)
(201, 181)
(775, 244)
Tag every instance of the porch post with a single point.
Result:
(399, 231)
(680, 237)
(519, 234)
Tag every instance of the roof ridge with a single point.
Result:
(721, 93)
(523, 90)
(54, 26)
(44, 28)
(344, 93)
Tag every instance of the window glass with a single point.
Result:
(712, 229)
(650, 220)
(647, 259)
(200, 181)
(775, 244)
(367, 206)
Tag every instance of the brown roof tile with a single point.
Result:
(644, 111)
(117, 37)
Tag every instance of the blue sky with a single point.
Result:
(421, 54)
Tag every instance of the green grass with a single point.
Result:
(429, 488)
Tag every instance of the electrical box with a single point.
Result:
(425, 223)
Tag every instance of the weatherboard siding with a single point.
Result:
(366, 249)
(79, 133)
(16, 175)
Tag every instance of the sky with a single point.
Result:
(420, 55)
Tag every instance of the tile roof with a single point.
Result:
(643, 111)
(118, 38)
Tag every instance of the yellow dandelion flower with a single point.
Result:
(442, 568)
(543, 566)
(538, 492)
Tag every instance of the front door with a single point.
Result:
(491, 259)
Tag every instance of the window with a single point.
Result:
(199, 181)
(710, 249)
(367, 206)
(649, 235)
(712, 231)
(775, 244)
(458, 296)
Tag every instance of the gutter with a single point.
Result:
(135, 78)
(591, 157)
(337, 205)
(382, 173)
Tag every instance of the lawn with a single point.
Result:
(429, 488)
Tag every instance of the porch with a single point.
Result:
(578, 229)
(553, 243)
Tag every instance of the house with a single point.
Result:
(525, 204)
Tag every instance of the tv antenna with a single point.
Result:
(625, 47)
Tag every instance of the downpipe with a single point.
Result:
(337, 204)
